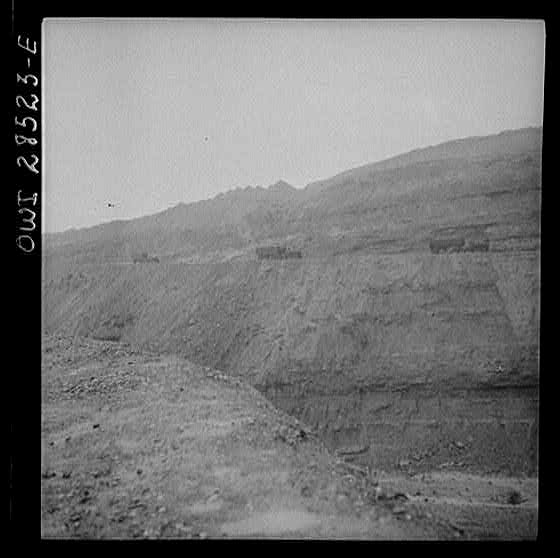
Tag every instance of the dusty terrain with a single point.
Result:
(406, 336)
(140, 445)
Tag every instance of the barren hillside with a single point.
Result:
(138, 445)
(410, 322)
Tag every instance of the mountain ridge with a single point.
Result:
(282, 191)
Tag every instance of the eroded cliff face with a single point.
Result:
(402, 353)
(407, 333)
(405, 354)
(419, 428)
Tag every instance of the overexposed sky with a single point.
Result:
(145, 114)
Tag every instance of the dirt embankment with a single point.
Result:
(138, 445)
(397, 351)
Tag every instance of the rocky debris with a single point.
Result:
(355, 470)
(399, 510)
(515, 498)
(352, 450)
(390, 495)
(290, 434)
(103, 472)
(353, 488)
(451, 465)
(186, 529)
(215, 375)
(106, 385)
(213, 498)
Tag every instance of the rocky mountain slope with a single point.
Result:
(410, 323)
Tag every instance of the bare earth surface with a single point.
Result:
(140, 445)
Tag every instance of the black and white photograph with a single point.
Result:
(290, 276)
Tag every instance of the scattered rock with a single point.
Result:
(515, 498)
(401, 496)
(458, 530)
(85, 498)
(379, 493)
(353, 450)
